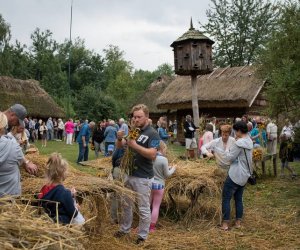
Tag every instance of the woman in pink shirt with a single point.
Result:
(207, 137)
(69, 128)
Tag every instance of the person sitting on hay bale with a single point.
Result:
(56, 199)
(11, 157)
(217, 147)
(161, 172)
(240, 157)
(139, 179)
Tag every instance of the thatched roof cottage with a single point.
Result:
(150, 96)
(224, 93)
(28, 93)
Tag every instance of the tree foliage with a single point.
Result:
(280, 62)
(240, 29)
(98, 87)
(95, 105)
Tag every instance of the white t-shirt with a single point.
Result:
(272, 130)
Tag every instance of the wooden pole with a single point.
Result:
(195, 105)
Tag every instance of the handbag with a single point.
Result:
(252, 178)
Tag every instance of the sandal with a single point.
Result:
(237, 224)
(223, 228)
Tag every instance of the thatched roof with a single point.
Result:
(193, 35)
(152, 93)
(28, 93)
(235, 87)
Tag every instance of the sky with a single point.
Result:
(143, 29)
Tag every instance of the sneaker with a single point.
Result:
(119, 234)
(139, 241)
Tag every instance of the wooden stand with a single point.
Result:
(274, 161)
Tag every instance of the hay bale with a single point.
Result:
(23, 226)
(100, 163)
(194, 190)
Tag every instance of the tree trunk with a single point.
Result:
(195, 100)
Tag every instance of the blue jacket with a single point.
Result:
(163, 134)
(66, 207)
(110, 134)
(85, 131)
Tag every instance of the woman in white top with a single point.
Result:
(18, 132)
(217, 147)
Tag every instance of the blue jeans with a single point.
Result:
(106, 147)
(83, 153)
(49, 135)
(231, 189)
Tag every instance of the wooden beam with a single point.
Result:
(240, 71)
(223, 71)
(212, 73)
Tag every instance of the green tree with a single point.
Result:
(4, 33)
(86, 66)
(46, 64)
(163, 69)
(118, 78)
(280, 62)
(240, 29)
(93, 104)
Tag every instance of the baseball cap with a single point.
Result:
(20, 112)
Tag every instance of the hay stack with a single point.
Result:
(24, 227)
(91, 191)
(103, 165)
(83, 182)
(194, 189)
(100, 163)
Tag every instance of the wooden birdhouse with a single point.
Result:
(193, 53)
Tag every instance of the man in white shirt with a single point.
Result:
(213, 123)
(272, 137)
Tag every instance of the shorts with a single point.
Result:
(157, 186)
(190, 143)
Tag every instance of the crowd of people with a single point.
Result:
(230, 143)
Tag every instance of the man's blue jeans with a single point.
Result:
(83, 153)
(231, 189)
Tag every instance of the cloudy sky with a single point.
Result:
(144, 29)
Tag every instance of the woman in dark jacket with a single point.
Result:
(98, 137)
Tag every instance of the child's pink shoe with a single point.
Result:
(152, 228)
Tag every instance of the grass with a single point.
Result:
(69, 152)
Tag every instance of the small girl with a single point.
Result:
(43, 132)
(57, 200)
(161, 172)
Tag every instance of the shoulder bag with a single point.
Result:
(252, 178)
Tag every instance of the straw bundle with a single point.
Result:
(100, 163)
(24, 227)
(127, 164)
(193, 189)
(103, 165)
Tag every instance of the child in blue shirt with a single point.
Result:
(56, 199)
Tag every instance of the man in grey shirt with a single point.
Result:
(11, 157)
(15, 115)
